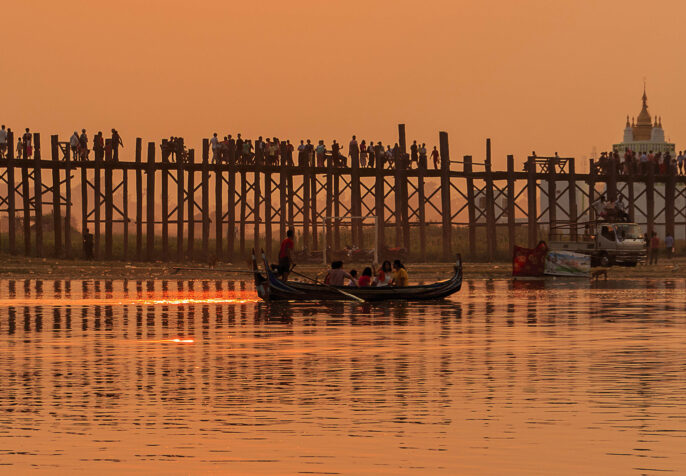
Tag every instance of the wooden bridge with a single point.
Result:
(154, 200)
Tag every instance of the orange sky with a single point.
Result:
(549, 75)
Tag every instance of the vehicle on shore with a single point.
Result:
(608, 243)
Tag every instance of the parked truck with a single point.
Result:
(607, 243)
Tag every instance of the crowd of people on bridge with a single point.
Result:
(634, 163)
(362, 154)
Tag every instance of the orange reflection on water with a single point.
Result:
(200, 301)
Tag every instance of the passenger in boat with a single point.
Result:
(366, 278)
(353, 282)
(400, 277)
(286, 255)
(337, 275)
(384, 276)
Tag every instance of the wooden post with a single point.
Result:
(283, 205)
(491, 241)
(84, 201)
(592, 172)
(552, 193)
(611, 180)
(11, 196)
(403, 190)
(670, 191)
(97, 201)
(205, 186)
(180, 184)
(125, 212)
(630, 185)
(446, 212)
(511, 194)
(471, 205)
(191, 203)
(268, 212)
(306, 207)
(571, 194)
(231, 217)
(139, 200)
(150, 204)
(397, 197)
(256, 210)
(26, 198)
(165, 205)
(532, 208)
(650, 199)
(56, 213)
(244, 206)
(67, 205)
(379, 210)
(336, 210)
(329, 208)
(421, 205)
(219, 212)
(108, 202)
(355, 202)
(38, 189)
(313, 207)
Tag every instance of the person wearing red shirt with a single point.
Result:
(286, 255)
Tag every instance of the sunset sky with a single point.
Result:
(548, 75)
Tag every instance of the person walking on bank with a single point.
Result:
(286, 255)
(669, 246)
(116, 142)
(654, 248)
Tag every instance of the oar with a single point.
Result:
(352, 296)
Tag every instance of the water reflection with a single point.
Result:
(183, 376)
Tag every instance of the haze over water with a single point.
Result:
(181, 377)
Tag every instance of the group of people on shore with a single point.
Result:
(641, 163)
(386, 275)
(274, 152)
(653, 247)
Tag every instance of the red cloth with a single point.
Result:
(529, 262)
(655, 242)
(285, 245)
(364, 281)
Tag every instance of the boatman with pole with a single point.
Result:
(286, 255)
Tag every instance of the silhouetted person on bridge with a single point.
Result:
(116, 142)
(354, 153)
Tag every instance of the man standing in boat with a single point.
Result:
(286, 255)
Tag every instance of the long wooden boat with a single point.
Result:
(270, 288)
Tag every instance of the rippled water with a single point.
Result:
(183, 377)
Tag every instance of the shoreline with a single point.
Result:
(14, 267)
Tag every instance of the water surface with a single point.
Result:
(182, 377)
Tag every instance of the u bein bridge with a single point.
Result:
(327, 206)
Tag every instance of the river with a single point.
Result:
(183, 377)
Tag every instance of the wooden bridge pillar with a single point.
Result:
(421, 208)
(56, 213)
(571, 194)
(67, 205)
(336, 209)
(125, 212)
(268, 212)
(231, 217)
(256, 210)
(38, 189)
(108, 202)
(532, 209)
(592, 176)
(150, 204)
(180, 190)
(379, 209)
(355, 202)
(650, 199)
(490, 206)
(244, 208)
(190, 248)
(139, 199)
(11, 195)
(552, 192)
(611, 180)
(670, 192)
(306, 207)
(511, 194)
(165, 206)
(446, 212)
(205, 198)
(218, 211)
(471, 206)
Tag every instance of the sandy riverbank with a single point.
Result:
(33, 268)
